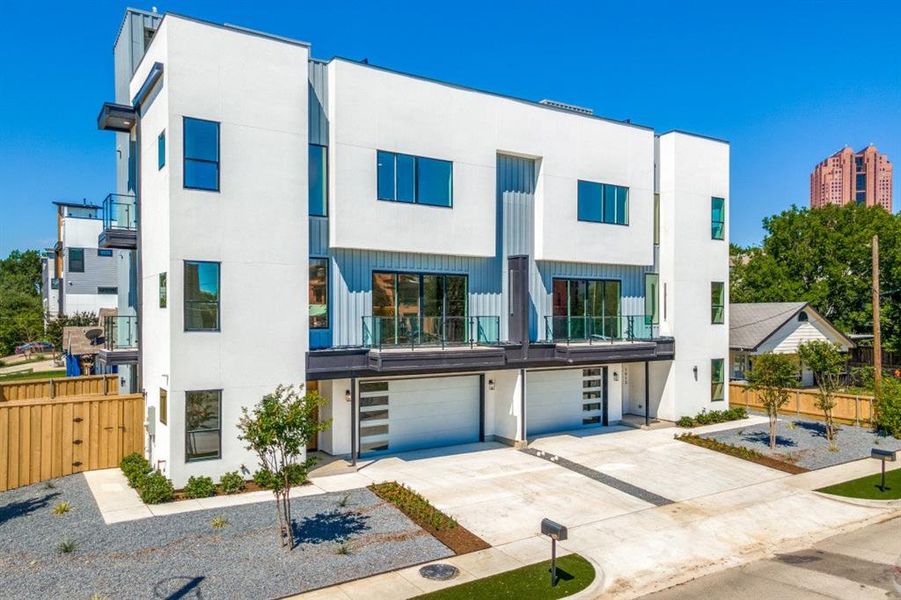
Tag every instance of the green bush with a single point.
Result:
(888, 409)
(231, 483)
(156, 489)
(200, 487)
(685, 422)
(413, 505)
(135, 467)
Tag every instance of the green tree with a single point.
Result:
(827, 364)
(277, 430)
(823, 256)
(772, 375)
(21, 306)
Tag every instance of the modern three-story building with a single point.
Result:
(445, 265)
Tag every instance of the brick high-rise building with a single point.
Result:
(863, 177)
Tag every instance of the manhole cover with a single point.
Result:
(439, 572)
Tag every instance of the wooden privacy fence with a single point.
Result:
(44, 438)
(90, 385)
(849, 408)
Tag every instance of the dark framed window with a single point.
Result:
(164, 406)
(717, 379)
(201, 296)
(203, 425)
(414, 179)
(318, 180)
(717, 302)
(164, 292)
(603, 203)
(651, 294)
(318, 293)
(107, 291)
(584, 308)
(161, 150)
(76, 260)
(106, 252)
(717, 218)
(656, 218)
(201, 154)
(419, 306)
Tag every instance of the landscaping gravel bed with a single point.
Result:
(183, 556)
(803, 442)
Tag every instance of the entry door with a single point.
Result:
(594, 396)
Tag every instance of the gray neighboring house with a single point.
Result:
(779, 327)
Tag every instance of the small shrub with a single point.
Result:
(156, 489)
(262, 478)
(888, 409)
(685, 422)
(62, 508)
(200, 487)
(135, 467)
(219, 522)
(343, 548)
(413, 505)
(343, 501)
(67, 546)
(231, 483)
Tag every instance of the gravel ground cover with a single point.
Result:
(803, 443)
(184, 556)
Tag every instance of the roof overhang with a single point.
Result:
(156, 72)
(116, 117)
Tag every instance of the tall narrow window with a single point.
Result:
(76, 260)
(414, 179)
(656, 218)
(318, 180)
(201, 150)
(164, 406)
(717, 379)
(203, 430)
(318, 293)
(603, 203)
(161, 150)
(164, 298)
(651, 285)
(717, 218)
(717, 302)
(201, 296)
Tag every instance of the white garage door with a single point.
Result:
(563, 400)
(407, 414)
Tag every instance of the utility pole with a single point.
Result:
(877, 330)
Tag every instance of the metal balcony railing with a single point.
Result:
(120, 212)
(600, 329)
(416, 331)
(120, 333)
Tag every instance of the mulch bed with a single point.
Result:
(456, 537)
(739, 452)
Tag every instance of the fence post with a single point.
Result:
(52, 388)
(857, 411)
(798, 402)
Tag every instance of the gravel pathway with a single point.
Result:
(183, 556)
(804, 442)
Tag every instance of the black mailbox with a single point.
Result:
(554, 530)
(883, 455)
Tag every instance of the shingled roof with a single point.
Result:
(751, 324)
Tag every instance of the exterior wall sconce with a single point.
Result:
(615, 376)
(695, 370)
(491, 384)
(347, 395)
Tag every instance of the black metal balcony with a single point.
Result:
(120, 340)
(430, 332)
(120, 222)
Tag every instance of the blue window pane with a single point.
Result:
(609, 204)
(717, 218)
(406, 178)
(385, 169)
(201, 296)
(589, 201)
(201, 174)
(161, 150)
(434, 182)
(201, 139)
(622, 205)
(317, 180)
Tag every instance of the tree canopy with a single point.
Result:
(823, 256)
(21, 306)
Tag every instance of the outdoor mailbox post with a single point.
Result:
(557, 533)
(883, 456)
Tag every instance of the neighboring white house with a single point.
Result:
(477, 267)
(779, 327)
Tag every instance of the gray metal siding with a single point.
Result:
(318, 104)
(99, 271)
(516, 179)
(319, 236)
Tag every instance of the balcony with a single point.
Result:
(120, 340)
(606, 339)
(120, 222)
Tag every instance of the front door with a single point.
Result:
(594, 396)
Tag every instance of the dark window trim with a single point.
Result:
(721, 305)
(328, 304)
(161, 150)
(421, 275)
(218, 302)
(415, 158)
(325, 175)
(602, 221)
(104, 252)
(722, 382)
(219, 429)
(163, 288)
(107, 287)
(69, 261)
(713, 222)
(164, 406)
(619, 307)
(185, 158)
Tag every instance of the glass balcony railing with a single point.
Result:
(120, 212)
(120, 333)
(416, 331)
(600, 329)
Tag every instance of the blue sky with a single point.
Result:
(787, 83)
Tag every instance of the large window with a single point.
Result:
(717, 302)
(717, 379)
(318, 180)
(585, 308)
(203, 429)
(318, 293)
(415, 179)
(603, 203)
(201, 148)
(717, 218)
(76, 260)
(201, 296)
(419, 307)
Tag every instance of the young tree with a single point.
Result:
(827, 364)
(277, 430)
(772, 375)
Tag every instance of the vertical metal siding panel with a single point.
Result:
(318, 103)
(319, 236)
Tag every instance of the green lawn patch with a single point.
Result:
(868, 487)
(532, 582)
(25, 376)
